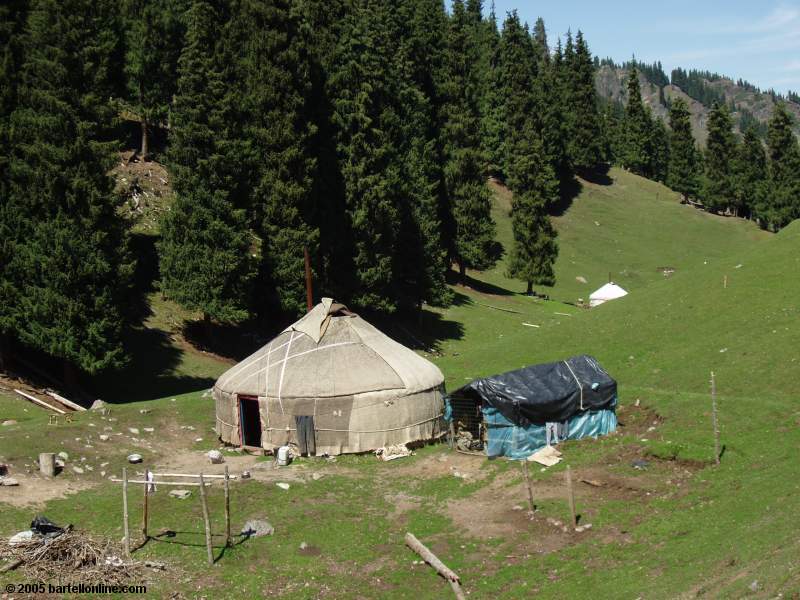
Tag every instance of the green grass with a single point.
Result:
(714, 535)
(627, 230)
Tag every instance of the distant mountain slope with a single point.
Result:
(749, 103)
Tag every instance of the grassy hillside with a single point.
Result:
(629, 229)
(678, 528)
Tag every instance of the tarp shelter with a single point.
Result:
(330, 383)
(610, 291)
(526, 409)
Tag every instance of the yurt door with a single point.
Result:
(249, 421)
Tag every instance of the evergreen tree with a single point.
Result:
(718, 193)
(469, 198)
(659, 147)
(550, 92)
(276, 70)
(529, 175)
(492, 122)
(360, 89)
(205, 248)
(541, 48)
(784, 171)
(750, 176)
(682, 172)
(635, 148)
(418, 30)
(154, 36)
(12, 20)
(66, 284)
(582, 117)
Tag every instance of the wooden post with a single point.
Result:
(125, 511)
(47, 464)
(309, 292)
(206, 520)
(714, 421)
(145, 506)
(725, 282)
(227, 509)
(528, 484)
(571, 498)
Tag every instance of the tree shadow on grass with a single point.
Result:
(423, 330)
(479, 286)
(150, 373)
(229, 341)
(570, 189)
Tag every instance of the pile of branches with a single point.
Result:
(71, 558)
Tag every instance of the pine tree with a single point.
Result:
(529, 175)
(418, 30)
(154, 36)
(659, 148)
(718, 192)
(750, 176)
(582, 117)
(205, 248)
(635, 144)
(360, 89)
(469, 198)
(550, 92)
(682, 172)
(276, 70)
(68, 262)
(784, 171)
(12, 21)
(492, 122)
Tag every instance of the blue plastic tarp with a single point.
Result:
(504, 438)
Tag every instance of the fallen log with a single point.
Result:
(12, 565)
(40, 402)
(430, 558)
(65, 402)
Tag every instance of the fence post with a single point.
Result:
(125, 511)
(206, 520)
(714, 420)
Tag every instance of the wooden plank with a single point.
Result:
(175, 483)
(194, 476)
(66, 402)
(528, 484)
(40, 402)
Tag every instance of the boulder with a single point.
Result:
(134, 430)
(9, 422)
(8, 481)
(257, 528)
(63, 456)
(215, 456)
(134, 458)
(180, 494)
(97, 405)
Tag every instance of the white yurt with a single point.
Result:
(330, 383)
(610, 291)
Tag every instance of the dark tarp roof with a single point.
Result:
(548, 392)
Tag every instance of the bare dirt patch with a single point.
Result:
(36, 491)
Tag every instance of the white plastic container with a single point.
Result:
(284, 456)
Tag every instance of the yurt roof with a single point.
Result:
(609, 291)
(327, 353)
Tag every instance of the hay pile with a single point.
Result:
(72, 558)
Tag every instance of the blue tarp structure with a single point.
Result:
(570, 399)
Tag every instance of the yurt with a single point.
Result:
(330, 383)
(610, 291)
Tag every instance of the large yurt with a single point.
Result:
(330, 383)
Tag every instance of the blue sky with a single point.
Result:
(756, 40)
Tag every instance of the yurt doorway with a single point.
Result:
(250, 421)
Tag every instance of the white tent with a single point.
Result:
(610, 291)
(332, 378)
